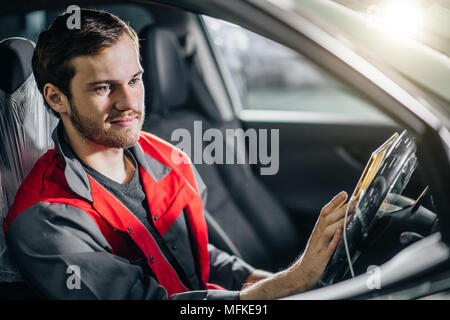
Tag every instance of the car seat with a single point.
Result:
(25, 134)
(238, 203)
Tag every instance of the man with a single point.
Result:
(107, 214)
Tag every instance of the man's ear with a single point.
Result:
(55, 98)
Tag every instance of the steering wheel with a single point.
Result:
(392, 176)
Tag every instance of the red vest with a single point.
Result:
(127, 236)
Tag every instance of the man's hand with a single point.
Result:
(325, 238)
(307, 271)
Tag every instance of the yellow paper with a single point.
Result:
(373, 165)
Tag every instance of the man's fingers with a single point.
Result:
(334, 241)
(337, 230)
(335, 203)
(337, 214)
(331, 229)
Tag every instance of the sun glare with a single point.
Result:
(398, 18)
(401, 19)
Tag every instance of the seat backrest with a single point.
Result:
(25, 131)
(176, 97)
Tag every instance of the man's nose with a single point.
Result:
(127, 99)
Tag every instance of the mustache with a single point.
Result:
(122, 115)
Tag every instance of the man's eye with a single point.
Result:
(135, 80)
(103, 89)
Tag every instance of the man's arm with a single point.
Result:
(255, 276)
(307, 271)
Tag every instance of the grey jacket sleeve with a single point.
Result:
(227, 270)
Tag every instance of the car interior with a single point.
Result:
(266, 220)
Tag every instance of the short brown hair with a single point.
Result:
(58, 44)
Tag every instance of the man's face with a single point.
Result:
(107, 105)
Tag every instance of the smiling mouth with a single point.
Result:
(125, 122)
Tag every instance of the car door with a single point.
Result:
(319, 130)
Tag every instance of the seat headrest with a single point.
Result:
(25, 130)
(165, 75)
(15, 63)
(25, 124)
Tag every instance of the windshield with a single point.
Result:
(426, 21)
(413, 40)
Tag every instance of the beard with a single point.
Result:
(111, 137)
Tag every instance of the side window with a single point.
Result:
(270, 76)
